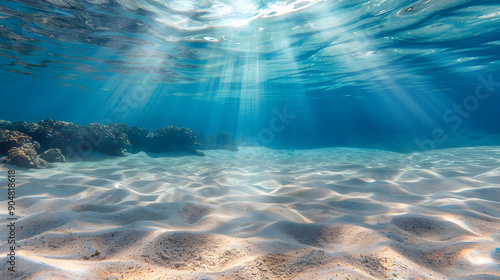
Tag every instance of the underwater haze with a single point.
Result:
(283, 74)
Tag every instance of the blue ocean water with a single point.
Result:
(409, 75)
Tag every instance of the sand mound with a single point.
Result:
(191, 252)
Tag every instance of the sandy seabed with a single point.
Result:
(337, 213)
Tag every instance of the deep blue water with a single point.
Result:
(285, 74)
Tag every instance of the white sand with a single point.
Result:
(261, 214)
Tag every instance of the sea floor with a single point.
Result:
(336, 213)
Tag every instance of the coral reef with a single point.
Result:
(107, 139)
(67, 136)
(22, 141)
(20, 148)
(26, 156)
(10, 139)
(138, 137)
(57, 134)
(53, 155)
(165, 139)
(4, 124)
(172, 138)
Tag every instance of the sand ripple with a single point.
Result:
(263, 214)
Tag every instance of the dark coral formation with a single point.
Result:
(70, 138)
(10, 139)
(138, 137)
(53, 155)
(165, 139)
(25, 156)
(172, 138)
(57, 134)
(20, 148)
(20, 126)
(107, 139)
(21, 141)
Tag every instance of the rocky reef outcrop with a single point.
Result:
(49, 133)
(26, 156)
(20, 149)
(72, 138)
(58, 140)
(137, 137)
(10, 139)
(57, 134)
(107, 139)
(172, 138)
(53, 155)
